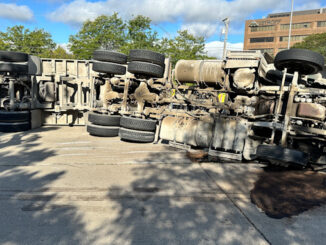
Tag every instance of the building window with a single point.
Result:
(262, 28)
(296, 26)
(262, 39)
(293, 38)
(321, 24)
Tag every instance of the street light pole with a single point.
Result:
(226, 23)
(290, 29)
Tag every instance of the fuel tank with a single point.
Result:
(229, 134)
(188, 131)
(208, 71)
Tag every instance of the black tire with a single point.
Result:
(304, 61)
(147, 56)
(105, 67)
(278, 75)
(110, 56)
(10, 56)
(104, 119)
(138, 124)
(13, 68)
(136, 136)
(147, 69)
(14, 116)
(14, 127)
(282, 155)
(102, 131)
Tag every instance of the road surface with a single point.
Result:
(59, 185)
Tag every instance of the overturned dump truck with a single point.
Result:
(248, 107)
(244, 108)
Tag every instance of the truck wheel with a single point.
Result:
(110, 56)
(104, 119)
(147, 69)
(14, 116)
(102, 131)
(136, 136)
(147, 56)
(304, 61)
(14, 68)
(105, 67)
(10, 56)
(15, 121)
(282, 156)
(14, 127)
(138, 124)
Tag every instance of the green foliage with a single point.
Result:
(314, 42)
(139, 35)
(19, 38)
(110, 32)
(184, 46)
(60, 53)
(106, 32)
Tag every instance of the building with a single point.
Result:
(271, 34)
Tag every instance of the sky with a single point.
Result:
(63, 18)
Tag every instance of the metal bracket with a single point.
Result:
(179, 145)
(224, 154)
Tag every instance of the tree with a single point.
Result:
(60, 53)
(314, 42)
(184, 46)
(106, 32)
(139, 35)
(111, 32)
(18, 38)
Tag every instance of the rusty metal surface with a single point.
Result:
(311, 110)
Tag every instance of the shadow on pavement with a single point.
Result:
(27, 216)
(176, 204)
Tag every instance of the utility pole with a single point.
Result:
(290, 28)
(226, 23)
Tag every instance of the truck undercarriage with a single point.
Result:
(246, 107)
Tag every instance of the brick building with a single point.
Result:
(271, 34)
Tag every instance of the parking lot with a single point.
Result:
(59, 185)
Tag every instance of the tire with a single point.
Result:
(14, 116)
(10, 56)
(105, 67)
(136, 136)
(110, 56)
(104, 119)
(13, 68)
(282, 155)
(304, 61)
(102, 131)
(14, 127)
(147, 56)
(147, 69)
(278, 75)
(138, 124)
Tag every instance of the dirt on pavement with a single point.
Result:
(282, 193)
